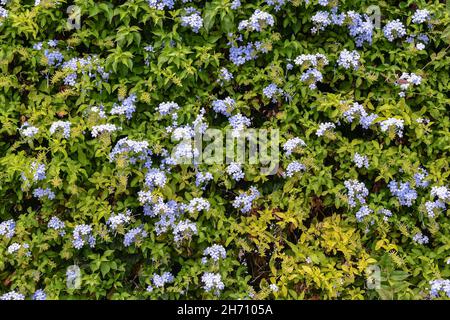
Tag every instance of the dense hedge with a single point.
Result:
(89, 185)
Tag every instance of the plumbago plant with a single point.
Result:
(94, 204)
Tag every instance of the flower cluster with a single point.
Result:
(271, 91)
(161, 4)
(134, 235)
(311, 60)
(403, 191)
(97, 130)
(160, 281)
(54, 57)
(420, 238)
(119, 220)
(443, 193)
(202, 178)
(82, 234)
(155, 178)
(361, 161)
(165, 108)
(224, 76)
(311, 77)
(406, 80)
(323, 127)
(225, 106)
(184, 230)
(12, 295)
(62, 125)
(126, 146)
(239, 123)
(197, 205)
(39, 295)
(212, 282)
(28, 130)
(127, 107)
(420, 178)
(7, 228)
(234, 169)
(47, 192)
(56, 224)
(257, 22)
(294, 167)
(215, 252)
(394, 29)
(397, 124)
(439, 285)
(349, 59)
(89, 65)
(14, 247)
(386, 213)
(242, 54)
(192, 19)
(364, 211)
(356, 191)
(292, 144)
(421, 16)
(244, 201)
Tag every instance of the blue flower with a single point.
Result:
(323, 127)
(439, 285)
(363, 212)
(235, 4)
(361, 28)
(134, 235)
(119, 220)
(202, 178)
(271, 91)
(12, 295)
(420, 238)
(7, 228)
(395, 123)
(82, 234)
(421, 16)
(160, 280)
(192, 19)
(239, 123)
(39, 295)
(394, 29)
(294, 167)
(235, 170)
(184, 230)
(161, 4)
(212, 281)
(225, 106)
(349, 59)
(244, 201)
(28, 130)
(127, 107)
(404, 193)
(356, 191)
(54, 57)
(40, 193)
(61, 125)
(292, 144)
(361, 161)
(257, 22)
(215, 252)
(56, 224)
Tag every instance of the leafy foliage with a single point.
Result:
(302, 238)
